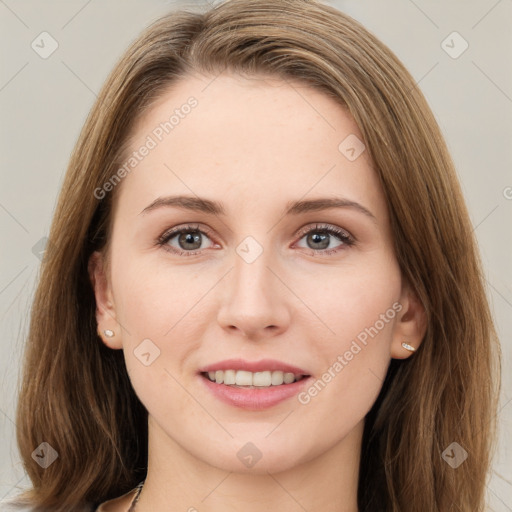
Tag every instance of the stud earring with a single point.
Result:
(109, 333)
(408, 347)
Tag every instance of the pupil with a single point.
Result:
(319, 238)
(190, 238)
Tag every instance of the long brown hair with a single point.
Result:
(76, 394)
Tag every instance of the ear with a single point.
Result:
(105, 308)
(411, 324)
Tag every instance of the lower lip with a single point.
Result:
(252, 398)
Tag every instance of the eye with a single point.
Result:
(187, 240)
(320, 237)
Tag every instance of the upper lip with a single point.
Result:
(254, 366)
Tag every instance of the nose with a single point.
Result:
(254, 301)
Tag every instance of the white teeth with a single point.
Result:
(263, 379)
(229, 377)
(288, 378)
(243, 378)
(257, 379)
(277, 378)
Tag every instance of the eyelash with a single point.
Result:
(344, 237)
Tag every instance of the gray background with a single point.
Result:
(44, 103)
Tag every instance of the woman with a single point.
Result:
(263, 288)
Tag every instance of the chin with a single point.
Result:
(257, 458)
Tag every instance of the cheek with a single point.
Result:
(350, 299)
(151, 301)
(359, 308)
(162, 314)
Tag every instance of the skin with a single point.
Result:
(253, 144)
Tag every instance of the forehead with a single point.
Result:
(263, 137)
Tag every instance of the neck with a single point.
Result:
(178, 480)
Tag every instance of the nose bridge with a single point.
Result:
(251, 277)
(254, 298)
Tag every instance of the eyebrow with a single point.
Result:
(211, 207)
(324, 203)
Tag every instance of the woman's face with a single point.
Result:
(267, 272)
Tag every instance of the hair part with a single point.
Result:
(447, 392)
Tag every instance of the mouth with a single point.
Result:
(253, 386)
(244, 379)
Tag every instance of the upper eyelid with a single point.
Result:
(186, 227)
(325, 227)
